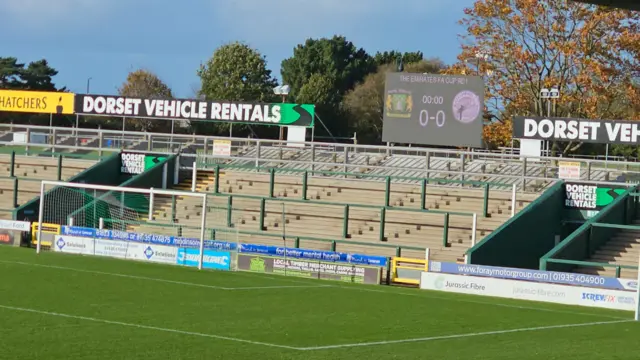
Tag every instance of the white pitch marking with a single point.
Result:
(280, 287)
(483, 303)
(164, 280)
(461, 336)
(319, 286)
(147, 327)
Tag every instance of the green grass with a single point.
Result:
(56, 306)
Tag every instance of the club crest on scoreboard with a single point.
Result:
(399, 103)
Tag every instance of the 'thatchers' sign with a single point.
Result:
(582, 130)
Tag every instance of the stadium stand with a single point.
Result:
(622, 249)
(27, 173)
(322, 215)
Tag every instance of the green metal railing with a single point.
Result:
(387, 183)
(581, 243)
(213, 234)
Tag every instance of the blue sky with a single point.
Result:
(105, 39)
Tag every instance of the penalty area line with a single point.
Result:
(146, 327)
(135, 277)
(461, 336)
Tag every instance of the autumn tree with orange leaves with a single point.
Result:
(590, 53)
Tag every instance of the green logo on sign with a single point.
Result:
(605, 196)
(257, 265)
(151, 161)
(295, 114)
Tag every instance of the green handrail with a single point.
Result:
(582, 229)
(262, 233)
(360, 175)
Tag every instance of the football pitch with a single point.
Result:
(55, 306)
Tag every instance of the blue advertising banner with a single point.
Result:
(534, 275)
(314, 254)
(145, 238)
(211, 260)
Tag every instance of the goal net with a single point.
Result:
(141, 224)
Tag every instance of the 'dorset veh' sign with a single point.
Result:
(579, 130)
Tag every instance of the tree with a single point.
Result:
(39, 76)
(147, 85)
(365, 103)
(590, 53)
(390, 57)
(10, 72)
(236, 72)
(335, 59)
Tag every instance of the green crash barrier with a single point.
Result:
(423, 194)
(216, 185)
(485, 205)
(59, 167)
(445, 230)
(387, 190)
(262, 208)
(345, 223)
(272, 182)
(13, 164)
(15, 192)
(173, 208)
(383, 215)
(229, 210)
(305, 176)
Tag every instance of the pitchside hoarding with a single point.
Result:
(525, 290)
(582, 130)
(433, 109)
(309, 269)
(553, 277)
(39, 102)
(184, 109)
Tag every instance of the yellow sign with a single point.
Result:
(37, 102)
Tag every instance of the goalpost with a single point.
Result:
(150, 211)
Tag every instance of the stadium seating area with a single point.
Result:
(623, 249)
(29, 171)
(322, 216)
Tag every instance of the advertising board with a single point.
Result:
(222, 148)
(137, 163)
(216, 260)
(189, 109)
(309, 269)
(432, 109)
(15, 225)
(6, 237)
(116, 249)
(534, 275)
(38, 102)
(150, 239)
(572, 129)
(582, 196)
(153, 253)
(569, 170)
(330, 256)
(533, 291)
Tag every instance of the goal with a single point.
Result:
(134, 219)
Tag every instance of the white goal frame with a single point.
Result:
(46, 185)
